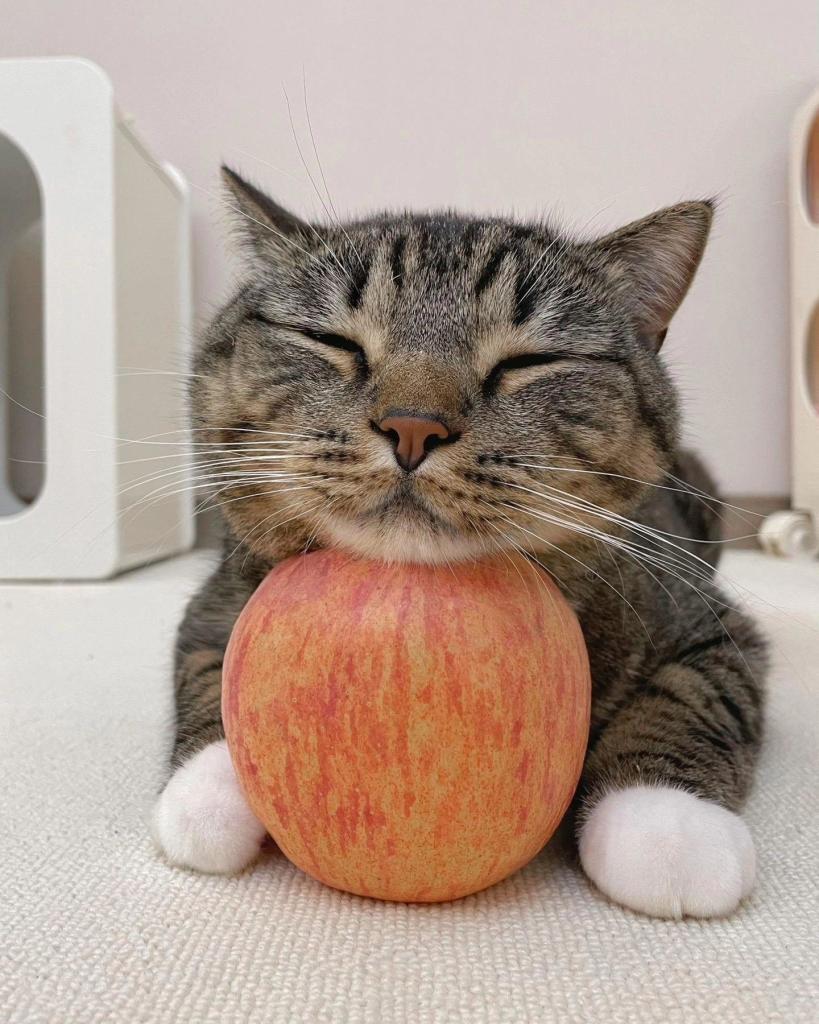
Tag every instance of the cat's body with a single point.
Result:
(434, 388)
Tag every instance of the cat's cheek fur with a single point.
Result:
(202, 820)
(668, 853)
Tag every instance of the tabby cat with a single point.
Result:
(434, 387)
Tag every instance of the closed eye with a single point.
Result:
(333, 340)
(337, 341)
(522, 362)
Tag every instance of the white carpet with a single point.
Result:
(94, 928)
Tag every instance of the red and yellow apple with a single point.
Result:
(407, 732)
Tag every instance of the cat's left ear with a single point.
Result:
(265, 229)
(652, 262)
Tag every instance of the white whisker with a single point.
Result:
(579, 561)
(321, 239)
(700, 495)
(321, 172)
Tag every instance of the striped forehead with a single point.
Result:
(440, 282)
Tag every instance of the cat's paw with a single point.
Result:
(667, 853)
(202, 820)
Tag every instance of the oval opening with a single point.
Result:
(811, 175)
(22, 364)
(812, 361)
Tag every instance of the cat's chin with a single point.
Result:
(402, 543)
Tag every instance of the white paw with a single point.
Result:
(668, 853)
(202, 820)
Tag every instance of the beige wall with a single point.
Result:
(597, 111)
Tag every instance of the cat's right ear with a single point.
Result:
(265, 229)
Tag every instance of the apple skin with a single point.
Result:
(407, 732)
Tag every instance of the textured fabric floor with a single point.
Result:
(93, 927)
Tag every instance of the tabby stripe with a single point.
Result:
(492, 269)
(711, 678)
(652, 690)
(620, 705)
(587, 419)
(715, 741)
(693, 652)
(527, 296)
(625, 488)
(736, 712)
(216, 663)
(740, 673)
(715, 730)
(187, 676)
(397, 261)
(360, 275)
(575, 450)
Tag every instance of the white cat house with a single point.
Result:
(796, 533)
(94, 321)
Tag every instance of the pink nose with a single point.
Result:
(413, 437)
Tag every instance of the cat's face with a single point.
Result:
(430, 388)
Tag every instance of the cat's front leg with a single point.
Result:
(659, 832)
(201, 819)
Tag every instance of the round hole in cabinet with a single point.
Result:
(22, 378)
(811, 172)
(812, 360)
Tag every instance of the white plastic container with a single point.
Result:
(795, 534)
(95, 317)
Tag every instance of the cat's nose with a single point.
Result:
(413, 437)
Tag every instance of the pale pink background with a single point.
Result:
(598, 111)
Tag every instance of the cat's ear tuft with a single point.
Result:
(265, 228)
(652, 262)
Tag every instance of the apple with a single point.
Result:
(407, 732)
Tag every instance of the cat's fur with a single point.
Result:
(574, 460)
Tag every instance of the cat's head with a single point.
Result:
(429, 387)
